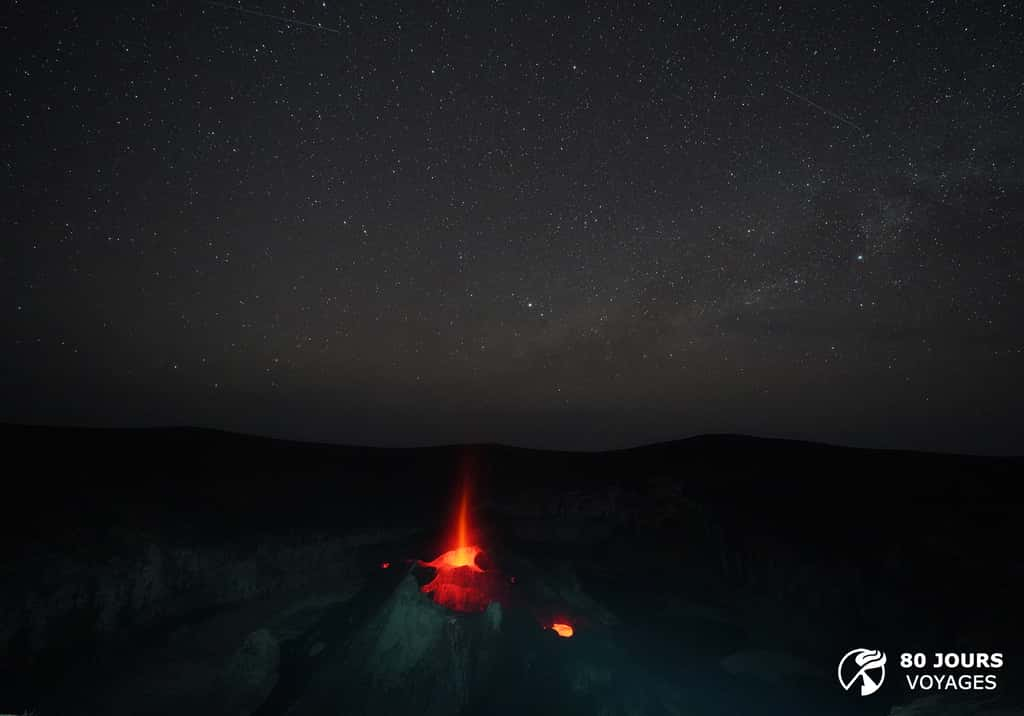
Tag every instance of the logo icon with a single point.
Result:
(863, 666)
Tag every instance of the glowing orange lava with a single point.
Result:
(458, 557)
(460, 583)
(563, 630)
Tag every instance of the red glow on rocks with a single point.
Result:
(563, 630)
(460, 583)
(385, 565)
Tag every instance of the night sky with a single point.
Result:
(517, 222)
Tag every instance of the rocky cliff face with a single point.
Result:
(69, 602)
(411, 656)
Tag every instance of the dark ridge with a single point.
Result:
(82, 476)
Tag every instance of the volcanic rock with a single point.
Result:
(250, 675)
(770, 666)
(413, 656)
(938, 705)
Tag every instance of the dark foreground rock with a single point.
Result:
(412, 656)
(150, 573)
(250, 675)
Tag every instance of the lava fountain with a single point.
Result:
(461, 584)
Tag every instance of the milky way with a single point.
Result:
(518, 223)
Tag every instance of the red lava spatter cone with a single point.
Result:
(461, 584)
(431, 649)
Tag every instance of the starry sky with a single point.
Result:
(578, 226)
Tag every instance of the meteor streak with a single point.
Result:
(830, 113)
(278, 18)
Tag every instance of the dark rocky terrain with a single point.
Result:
(189, 571)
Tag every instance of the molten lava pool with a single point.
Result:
(563, 630)
(458, 557)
